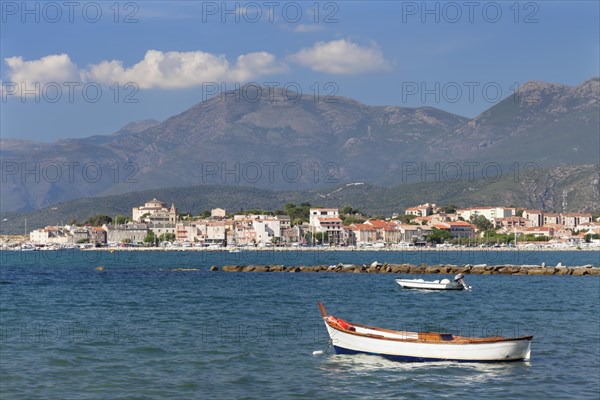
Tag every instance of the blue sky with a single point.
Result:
(461, 57)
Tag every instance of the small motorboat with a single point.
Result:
(458, 283)
(351, 338)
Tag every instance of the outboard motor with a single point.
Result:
(460, 279)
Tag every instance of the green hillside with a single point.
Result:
(567, 188)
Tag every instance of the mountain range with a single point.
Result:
(298, 143)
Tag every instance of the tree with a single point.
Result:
(588, 238)
(406, 218)
(98, 220)
(351, 219)
(346, 210)
(297, 221)
(481, 222)
(308, 237)
(186, 216)
(438, 236)
(205, 214)
(448, 209)
(350, 211)
(150, 238)
(258, 211)
(297, 213)
(321, 237)
(167, 237)
(144, 216)
(122, 219)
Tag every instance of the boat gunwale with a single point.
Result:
(456, 340)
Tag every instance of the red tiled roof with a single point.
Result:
(441, 226)
(377, 223)
(361, 227)
(459, 223)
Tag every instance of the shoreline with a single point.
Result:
(345, 249)
(480, 269)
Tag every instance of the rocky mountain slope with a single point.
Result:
(285, 142)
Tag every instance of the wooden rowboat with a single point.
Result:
(351, 338)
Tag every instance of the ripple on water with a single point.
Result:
(226, 335)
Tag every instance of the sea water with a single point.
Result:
(160, 325)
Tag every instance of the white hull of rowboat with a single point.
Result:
(348, 338)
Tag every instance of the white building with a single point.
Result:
(131, 232)
(256, 229)
(422, 210)
(51, 235)
(574, 220)
(218, 213)
(536, 217)
(458, 229)
(266, 229)
(490, 213)
(216, 232)
(185, 232)
(411, 233)
(315, 214)
(155, 211)
(327, 220)
(160, 229)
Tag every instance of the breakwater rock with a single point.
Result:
(378, 268)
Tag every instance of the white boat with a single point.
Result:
(457, 283)
(351, 338)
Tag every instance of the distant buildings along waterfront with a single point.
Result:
(156, 222)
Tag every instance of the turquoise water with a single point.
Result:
(139, 330)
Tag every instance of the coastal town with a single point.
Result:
(157, 225)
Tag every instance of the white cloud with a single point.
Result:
(171, 70)
(166, 70)
(256, 64)
(176, 70)
(53, 68)
(342, 57)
